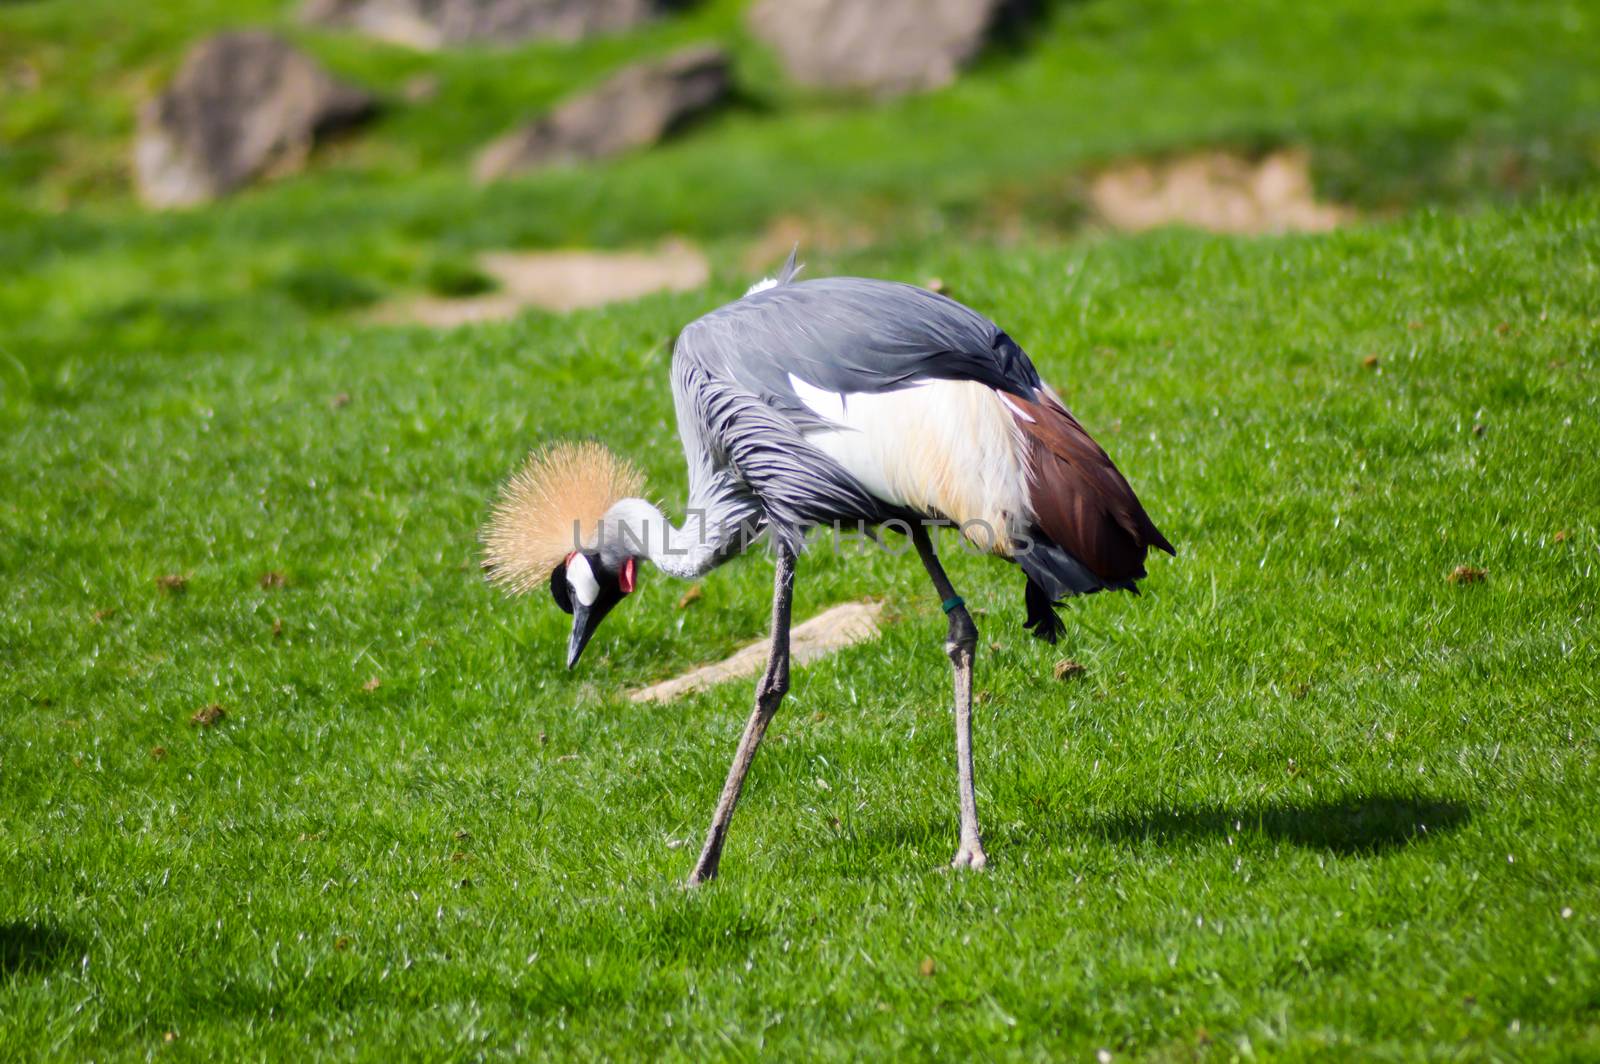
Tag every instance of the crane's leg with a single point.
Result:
(960, 644)
(769, 693)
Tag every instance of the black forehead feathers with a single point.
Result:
(559, 589)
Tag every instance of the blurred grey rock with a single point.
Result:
(633, 109)
(429, 24)
(885, 47)
(244, 104)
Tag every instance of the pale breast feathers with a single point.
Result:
(943, 447)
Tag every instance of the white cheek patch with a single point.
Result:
(580, 578)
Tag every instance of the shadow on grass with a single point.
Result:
(1352, 826)
(1356, 825)
(25, 949)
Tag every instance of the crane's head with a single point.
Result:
(587, 588)
(546, 526)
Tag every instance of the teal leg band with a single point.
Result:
(951, 603)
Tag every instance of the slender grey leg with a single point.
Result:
(769, 693)
(960, 644)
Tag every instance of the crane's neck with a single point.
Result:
(636, 528)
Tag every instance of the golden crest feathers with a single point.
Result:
(552, 504)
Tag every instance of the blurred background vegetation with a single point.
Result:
(1399, 104)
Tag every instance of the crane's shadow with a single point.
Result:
(1356, 826)
(26, 949)
(1367, 824)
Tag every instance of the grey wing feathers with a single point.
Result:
(791, 267)
(745, 444)
(732, 373)
(851, 334)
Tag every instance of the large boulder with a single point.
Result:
(633, 109)
(429, 24)
(883, 47)
(243, 104)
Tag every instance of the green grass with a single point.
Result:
(1309, 796)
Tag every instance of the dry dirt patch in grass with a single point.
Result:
(811, 234)
(832, 629)
(1217, 191)
(557, 281)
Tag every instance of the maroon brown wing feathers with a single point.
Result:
(1080, 498)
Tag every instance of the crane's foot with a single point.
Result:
(970, 855)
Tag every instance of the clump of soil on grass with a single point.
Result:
(208, 716)
(173, 583)
(1067, 669)
(1217, 191)
(272, 580)
(830, 630)
(558, 281)
(1467, 574)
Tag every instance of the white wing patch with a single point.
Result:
(825, 404)
(941, 447)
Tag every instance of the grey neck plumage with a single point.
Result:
(638, 529)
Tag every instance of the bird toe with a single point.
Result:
(970, 856)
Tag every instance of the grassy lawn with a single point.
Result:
(1310, 796)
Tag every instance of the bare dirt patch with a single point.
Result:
(832, 629)
(1216, 191)
(208, 716)
(811, 234)
(558, 281)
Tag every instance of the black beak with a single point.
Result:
(584, 622)
(585, 619)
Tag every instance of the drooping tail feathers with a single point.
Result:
(1091, 531)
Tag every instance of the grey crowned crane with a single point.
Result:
(843, 400)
